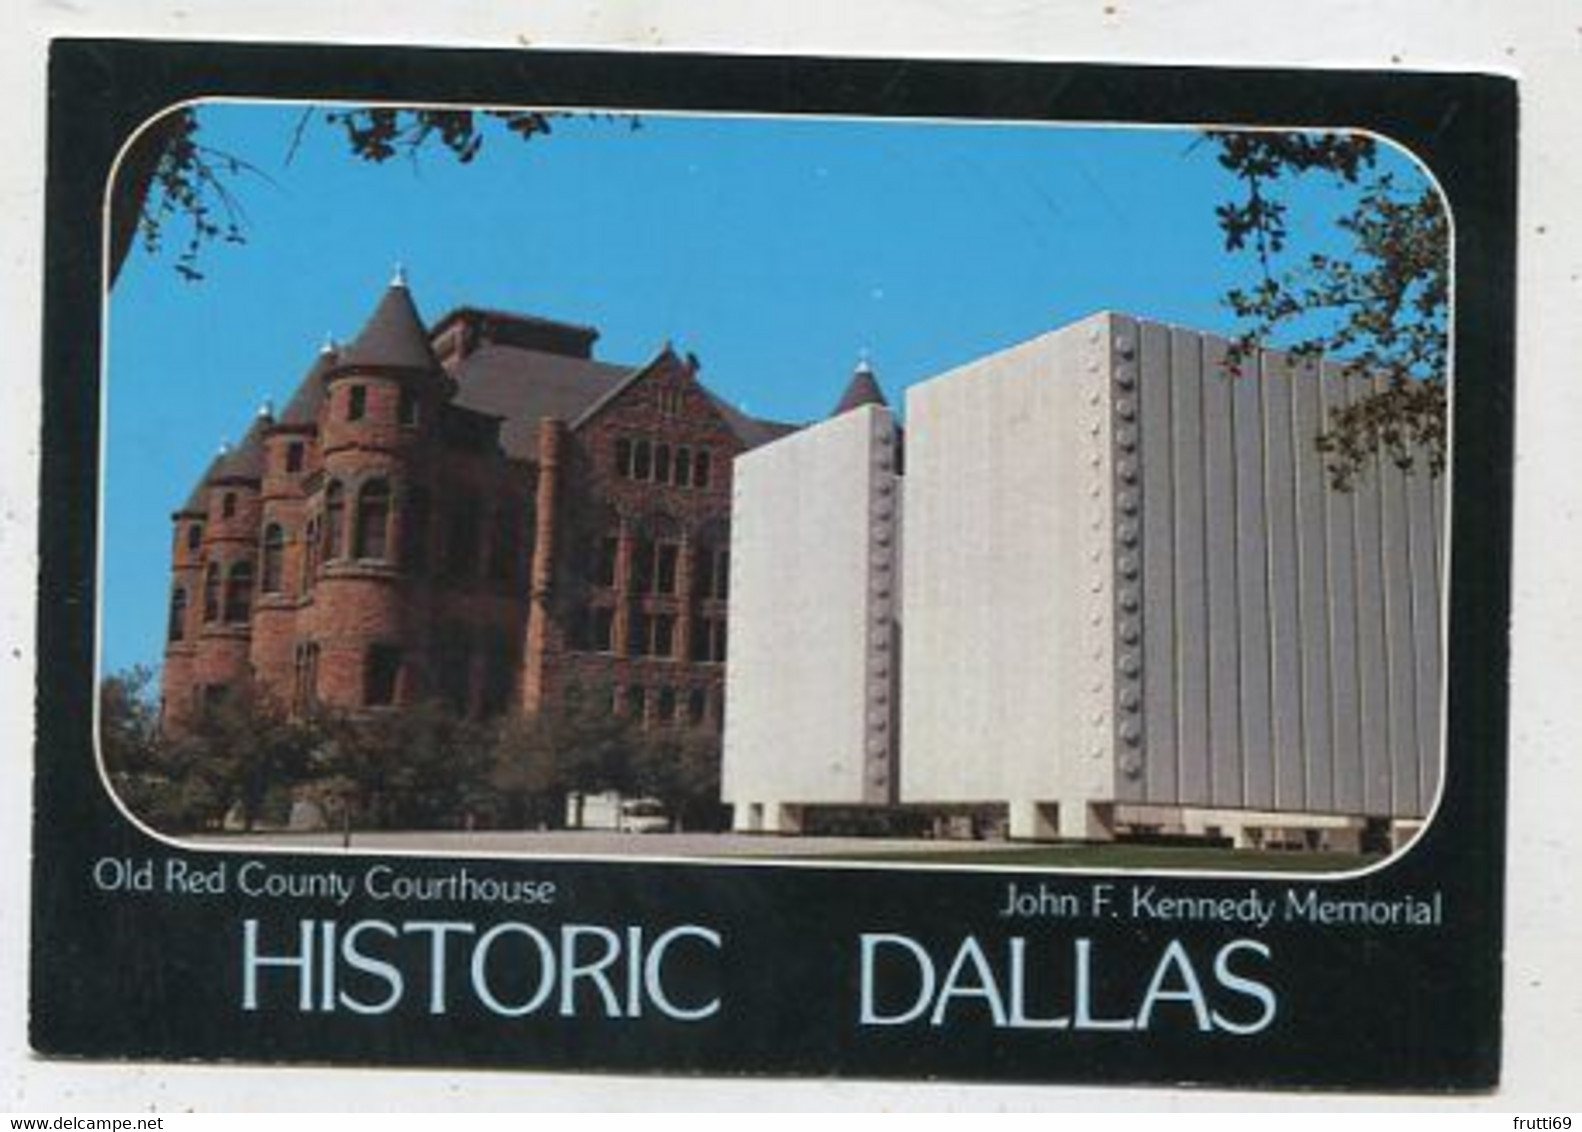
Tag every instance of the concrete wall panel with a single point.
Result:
(807, 714)
(1160, 695)
(1345, 669)
(1312, 535)
(1191, 559)
(1220, 560)
(1006, 459)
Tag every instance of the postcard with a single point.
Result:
(774, 566)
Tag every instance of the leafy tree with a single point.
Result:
(235, 753)
(526, 773)
(595, 747)
(129, 722)
(682, 770)
(1384, 306)
(422, 767)
(173, 188)
(139, 766)
(575, 744)
(231, 757)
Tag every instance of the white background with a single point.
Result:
(1539, 41)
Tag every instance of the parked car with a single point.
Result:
(643, 815)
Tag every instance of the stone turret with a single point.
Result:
(290, 463)
(227, 581)
(863, 389)
(382, 398)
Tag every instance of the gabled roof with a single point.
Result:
(393, 336)
(862, 390)
(524, 386)
(749, 430)
(630, 379)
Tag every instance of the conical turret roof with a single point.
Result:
(394, 335)
(863, 389)
(303, 408)
(246, 460)
(198, 502)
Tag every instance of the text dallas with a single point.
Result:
(515, 969)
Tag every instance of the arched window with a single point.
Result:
(274, 559)
(334, 520)
(310, 554)
(239, 593)
(373, 520)
(211, 592)
(178, 613)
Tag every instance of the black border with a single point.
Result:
(124, 977)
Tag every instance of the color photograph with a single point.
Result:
(850, 489)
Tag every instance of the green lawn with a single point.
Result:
(1152, 857)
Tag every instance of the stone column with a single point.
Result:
(685, 605)
(620, 628)
(551, 435)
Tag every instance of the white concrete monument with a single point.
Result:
(1131, 598)
(811, 710)
(1130, 592)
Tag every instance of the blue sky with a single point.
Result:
(775, 249)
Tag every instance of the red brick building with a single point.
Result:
(476, 511)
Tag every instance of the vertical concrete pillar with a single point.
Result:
(1087, 821)
(1033, 821)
